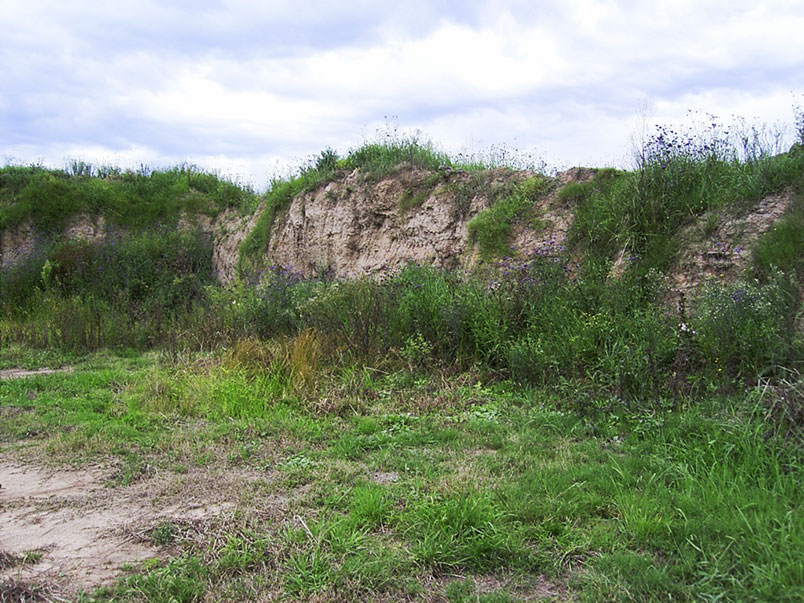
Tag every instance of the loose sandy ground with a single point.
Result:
(86, 530)
(16, 373)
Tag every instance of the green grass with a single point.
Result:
(496, 482)
(50, 198)
(376, 160)
(783, 247)
(434, 435)
(491, 229)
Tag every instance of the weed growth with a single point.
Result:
(131, 200)
(491, 229)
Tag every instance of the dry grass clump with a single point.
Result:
(785, 408)
(250, 354)
(298, 357)
(18, 591)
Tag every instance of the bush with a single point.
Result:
(132, 200)
(131, 292)
(745, 329)
(423, 296)
(269, 306)
(354, 315)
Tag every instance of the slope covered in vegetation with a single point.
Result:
(598, 396)
(573, 276)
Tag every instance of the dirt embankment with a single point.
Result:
(353, 226)
(718, 244)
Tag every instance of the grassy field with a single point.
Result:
(561, 426)
(401, 485)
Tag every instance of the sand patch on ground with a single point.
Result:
(68, 530)
(17, 373)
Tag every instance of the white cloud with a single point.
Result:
(239, 84)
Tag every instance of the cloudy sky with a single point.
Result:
(253, 88)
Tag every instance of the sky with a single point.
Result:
(252, 90)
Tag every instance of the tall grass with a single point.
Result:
(680, 174)
(50, 198)
(536, 323)
(556, 318)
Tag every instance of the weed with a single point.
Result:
(680, 173)
(250, 354)
(181, 579)
(491, 229)
(744, 329)
(163, 534)
(464, 190)
(464, 530)
(697, 501)
(370, 506)
(782, 247)
(242, 553)
(574, 193)
(784, 410)
(377, 159)
(416, 351)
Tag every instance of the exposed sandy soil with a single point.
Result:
(351, 228)
(722, 250)
(17, 373)
(86, 530)
(16, 244)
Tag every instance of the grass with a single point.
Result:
(680, 174)
(694, 503)
(50, 198)
(781, 247)
(537, 425)
(491, 229)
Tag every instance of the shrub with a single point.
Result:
(133, 200)
(354, 315)
(423, 295)
(745, 329)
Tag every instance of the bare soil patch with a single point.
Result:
(717, 246)
(75, 532)
(17, 373)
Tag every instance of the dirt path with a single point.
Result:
(56, 514)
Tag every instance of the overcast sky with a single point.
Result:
(252, 88)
